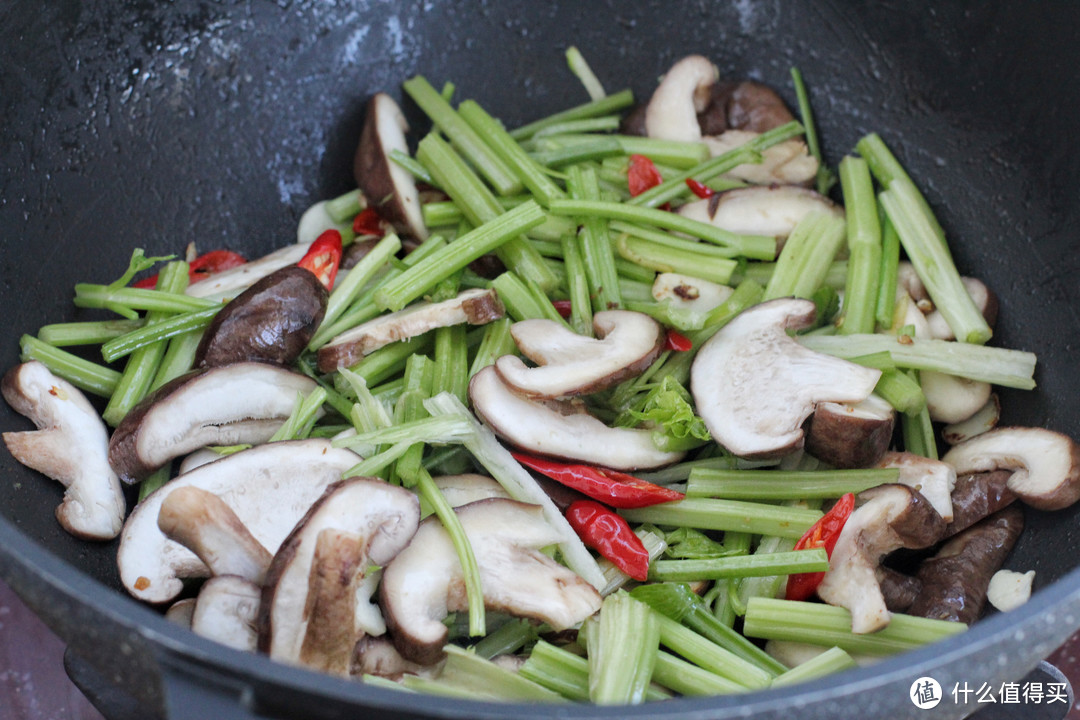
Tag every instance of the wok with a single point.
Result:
(155, 124)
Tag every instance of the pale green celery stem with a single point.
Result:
(756, 565)
(928, 254)
(467, 675)
(344, 207)
(616, 578)
(451, 362)
(154, 480)
(102, 296)
(622, 644)
(781, 485)
(864, 247)
(669, 240)
(346, 292)
(668, 258)
(93, 332)
(690, 680)
(767, 586)
(389, 361)
(464, 137)
(523, 302)
(710, 656)
(918, 430)
(886, 168)
(497, 342)
(821, 624)
(179, 357)
(479, 206)
(83, 374)
(831, 661)
(597, 253)
(736, 515)
(577, 285)
(509, 638)
(580, 67)
(566, 673)
(998, 366)
(890, 261)
(605, 123)
(825, 178)
(900, 391)
(611, 103)
(521, 486)
(165, 328)
(762, 272)
(302, 418)
(807, 255)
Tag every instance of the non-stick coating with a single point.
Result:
(156, 124)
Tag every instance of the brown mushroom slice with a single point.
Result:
(230, 283)
(684, 92)
(71, 445)
(1045, 464)
(755, 107)
(476, 307)
(424, 582)
(272, 321)
(269, 487)
(229, 405)
(936, 480)
(977, 496)
(985, 418)
(786, 163)
(772, 210)
(898, 590)
(377, 656)
(203, 523)
(226, 610)
(887, 518)
(310, 597)
(390, 187)
(955, 580)
(754, 386)
(851, 435)
(691, 293)
(557, 429)
(626, 344)
(469, 487)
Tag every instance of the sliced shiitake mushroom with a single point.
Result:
(230, 283)
(772, 210)
(850, 435)
(226, 610)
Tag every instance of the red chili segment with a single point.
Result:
(611, 536)
(824, 533)
(202, 267)
(563, 306)
(368, 222)
(615, 488)
(700, 189)
(642, 175)
(324, 257)
(677, 341)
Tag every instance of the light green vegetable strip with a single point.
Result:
(83, 374)
(689, 261)
(517, 481)
(164, 329)
(464, 137)
(781, 563)
(597, 253)
(89, 295)
(864, 247)
(179, 357)
(414, 168)
(496, 343)
(807, 255)
(437, 429)
(678, 602)
(415, 281)
(451, 362)
(887, 169)
(675, 186)
(831, 661)
(690, 680)
(784, 485)
(93, 332)
(578, 153)
(480, 206)
(302, 418)
(611, 103)
(825, 177)
(491, 131)
(509, 638)
(566, 673)
(622, 643)
(468, 675)
(998, 366)
(389, 360)
(606, 123)
(890, 262)
(706, 654)
(900, 391)
(380, 461)
(918, 430)
(708, 514)
(344, 207)
(522, 302)
(766, 586)
(347, 291)
(578, 286)
(669, 240)
(578, 65)
(821, 624)
(142, 365)
(675, 153)
(654, 544)
(757, 247)
(153, 481)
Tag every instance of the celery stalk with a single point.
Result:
(622, 643)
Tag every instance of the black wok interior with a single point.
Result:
(156, 124)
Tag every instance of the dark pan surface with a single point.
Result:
(150, 124)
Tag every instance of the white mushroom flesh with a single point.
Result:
(772, 210)
(684, 91)
(315, 221)
(933, 478)
(1009, 589)
(786, 163)
(226, 610)
(690, 293)
(71, 445)
(984, 420)
(469, 487)
(230, 283)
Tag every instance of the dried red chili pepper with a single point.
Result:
(642, 175)
(202, 267)
(563, 306)
(700, 189)
(677, 341)
(324, 257)
(368, 222)
(611, 536)
(824, 533)
(610, 486)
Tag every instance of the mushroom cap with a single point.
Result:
(772, 210)
(542, 427)
(389, 187)
(71, 445)
(684, 92)
(850, 435)
(309, 599)
(935, 479)
(225, 611)
(424, 582)
(228, 405)
(272, 321)
(1045, 464)
(754, 386)
(626, 344)
(476, 306)
(269, 487)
